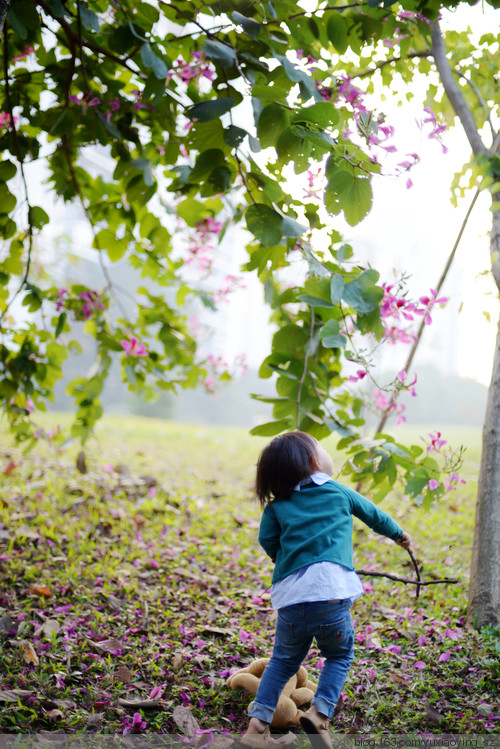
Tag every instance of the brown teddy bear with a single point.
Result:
(297, 691)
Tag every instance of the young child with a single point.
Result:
(306, 529)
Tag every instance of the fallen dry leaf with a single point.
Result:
(29, 653)
(81, 463)
(123, 674)
(186, 721)
(106, 646)
(139, 704)
(398, 679)
(13, 695)
(176, 661)
(37, 589)
(433, 715)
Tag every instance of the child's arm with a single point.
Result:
(377, 519)
(269, 532)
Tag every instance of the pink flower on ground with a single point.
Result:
(132, 347)
(420, 665)
(444, 657)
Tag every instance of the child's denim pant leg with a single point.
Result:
(297, 625)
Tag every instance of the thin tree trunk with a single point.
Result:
(484, 590)
(4, 7)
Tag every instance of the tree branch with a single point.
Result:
(4, 9)
(421, 328)
(389, 61)
(453, 91)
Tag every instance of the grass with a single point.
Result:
(145, 573)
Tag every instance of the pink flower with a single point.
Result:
(61, 293)
(93, 303)
(436, 442)
(444, 657)
(132, 347)
(360, 374)
(24, 54)
(420, 665)
(433, 484)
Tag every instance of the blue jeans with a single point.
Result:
(297, 626)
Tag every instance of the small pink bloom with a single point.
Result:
(132, 347)
(433, 484)
(444, 657)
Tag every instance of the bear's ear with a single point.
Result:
(301, 677)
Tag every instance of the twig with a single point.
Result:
(421, 328)
(417, 571)
(418, 583)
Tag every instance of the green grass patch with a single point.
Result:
(145, 574)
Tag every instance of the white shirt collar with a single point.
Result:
(319, 479)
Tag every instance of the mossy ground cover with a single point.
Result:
(142, 579)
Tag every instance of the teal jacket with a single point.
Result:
(315, 525)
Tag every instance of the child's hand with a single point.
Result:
(404, 541)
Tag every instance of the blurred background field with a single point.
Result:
(148, 570)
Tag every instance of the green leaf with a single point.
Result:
(270, 93)
(290, 338)
(130, 375)
(61, 320)
(106, 241)
(205, 163)
(351, 194)
(264, 223)
(7, 170)
(7, 199)
(291, 228)
(250, 26)
(89, 18)
(16, 23)
(271, 428)
(147, 55)
(361, 294)
(323, 114)
(109, 127)
(219, 53)
(159, 68)
(234, 135)
(344, 253)
(38, 217)
(336, 29)
(330, 337)
(272, 121)
(210, 110)
(314, 301)
(336, 288)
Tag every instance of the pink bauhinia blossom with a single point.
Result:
(132, 347)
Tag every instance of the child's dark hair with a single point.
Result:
(284, 462)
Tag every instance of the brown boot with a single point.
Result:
(317, 726)
(257, 734)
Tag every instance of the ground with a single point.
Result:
(142, 580)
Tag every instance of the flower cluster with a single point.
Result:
(189, 72)
(219, 368)
(86, 305)
(201, 247)
(399, 308)
(6, 120)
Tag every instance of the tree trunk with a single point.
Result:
(4, 7)
(484, 590)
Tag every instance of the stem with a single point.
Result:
(413, 350)
(389, 61)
